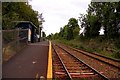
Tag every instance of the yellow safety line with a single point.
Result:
(37, 77)
(49, 70)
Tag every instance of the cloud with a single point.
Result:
(57, 12)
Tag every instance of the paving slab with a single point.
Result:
(30, 63)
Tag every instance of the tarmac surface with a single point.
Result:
(30, 63)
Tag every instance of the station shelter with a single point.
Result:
(32, 36)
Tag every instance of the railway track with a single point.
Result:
(68, 66)
(107, 66)
(112, 62)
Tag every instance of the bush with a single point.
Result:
(117, 43)
(117, 54)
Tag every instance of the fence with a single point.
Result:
(13, 41)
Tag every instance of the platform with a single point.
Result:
(31, 62)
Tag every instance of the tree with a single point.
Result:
(43, 34)
(61, 33)
(17, 11)
(70, 31)
(101, 14)
(56, 36)
(74, 27)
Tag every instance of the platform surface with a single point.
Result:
(31, 62)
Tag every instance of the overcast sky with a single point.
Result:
(57, 12)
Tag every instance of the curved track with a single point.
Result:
(107, 66)
(69, 66)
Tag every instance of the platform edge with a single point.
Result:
(49, 69)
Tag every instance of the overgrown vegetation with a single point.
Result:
(95, 45)
(99, 15)
(17, 11)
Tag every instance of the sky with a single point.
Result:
(56, 13)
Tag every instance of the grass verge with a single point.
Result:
(106, 48)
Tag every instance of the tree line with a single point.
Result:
(17, 11)
(69, 31)
(102, 15)
(105, 15)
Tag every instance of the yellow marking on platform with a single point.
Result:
(49, 70)
(37, 77)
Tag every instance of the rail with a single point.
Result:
(69, 76)
(98, 55)
(104, 77)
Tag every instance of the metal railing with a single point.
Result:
(13, 41)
